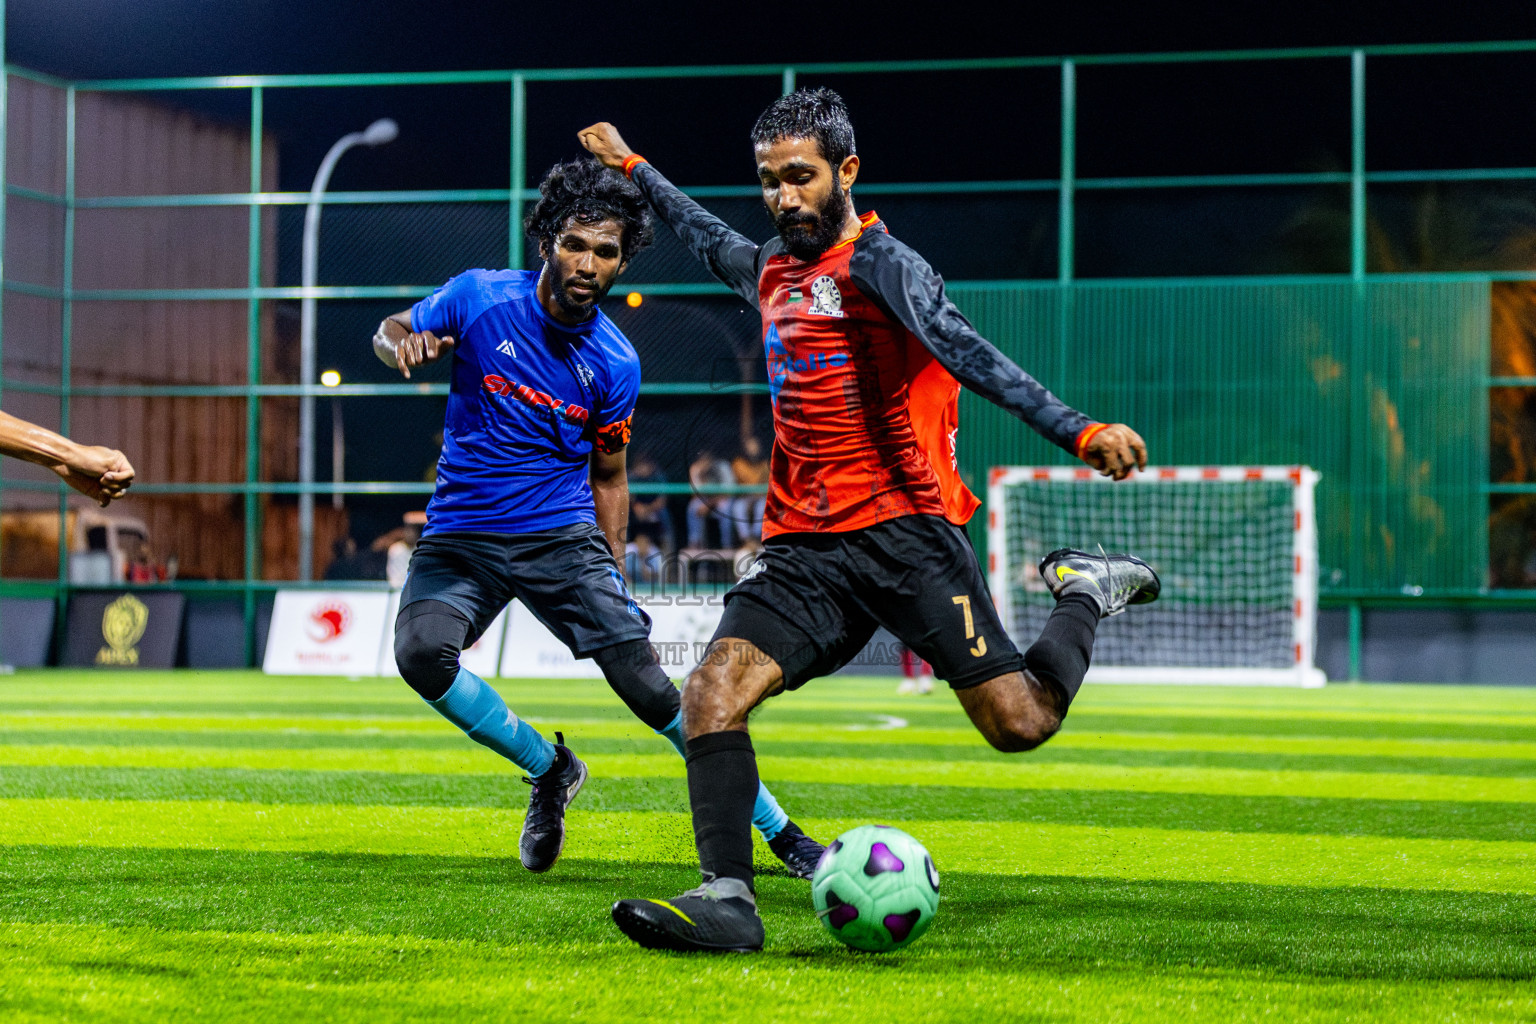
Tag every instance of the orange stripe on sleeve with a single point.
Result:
(1091, 431)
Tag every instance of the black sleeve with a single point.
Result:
(732, 257)
(910, 292)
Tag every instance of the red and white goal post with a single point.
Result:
(1235, 546)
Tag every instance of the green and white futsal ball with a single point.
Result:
(876, 888)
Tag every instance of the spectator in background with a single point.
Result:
(344, 564)
(749, 469)
(650, 523)
(919, 674)
(708, 471)
(397, 553)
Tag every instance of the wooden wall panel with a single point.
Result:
(129, 145)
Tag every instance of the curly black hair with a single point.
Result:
(818, 114)
(589, 192)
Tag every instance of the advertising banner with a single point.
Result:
(680, 630)
(320, 632)
(123, 629)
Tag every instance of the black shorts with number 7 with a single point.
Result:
(813, 600)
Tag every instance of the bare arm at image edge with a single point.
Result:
(101, 474)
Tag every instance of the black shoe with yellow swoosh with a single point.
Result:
(719, 916)
(1113, 581)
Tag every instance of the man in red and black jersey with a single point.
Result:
(863, 524)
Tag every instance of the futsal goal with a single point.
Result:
(1235, 546)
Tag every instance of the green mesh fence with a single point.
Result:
(1385, 399)
(1380, 381)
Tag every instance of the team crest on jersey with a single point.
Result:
(826, 300)
(506, 348)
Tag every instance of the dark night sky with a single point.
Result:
(113, 38)
(1136, 121)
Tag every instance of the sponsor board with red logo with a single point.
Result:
(321, 632)
(352, 633)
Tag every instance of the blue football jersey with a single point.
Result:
(531, 399)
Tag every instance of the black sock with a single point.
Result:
(1059, 659)
(722, 787)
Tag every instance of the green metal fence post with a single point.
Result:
(1066, 227)
(787, 82)
(5, 124)
(253, 377)
(66, 327)
(518, 172)
(1357, 166)
(1354, 641)
(1359, 335)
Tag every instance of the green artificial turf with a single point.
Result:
(229, 847)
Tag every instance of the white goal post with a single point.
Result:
(1235, 546)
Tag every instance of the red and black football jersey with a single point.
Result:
(865, 357)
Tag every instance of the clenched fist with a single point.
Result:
(603, 141)
(100, 473)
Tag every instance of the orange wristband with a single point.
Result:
(1089, 433)
(631, 162)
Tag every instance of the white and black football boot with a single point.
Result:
(1113, 581)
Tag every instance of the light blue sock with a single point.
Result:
(674, 735)
(767, 816)
(472, 705)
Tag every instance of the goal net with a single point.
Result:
(1235, 546)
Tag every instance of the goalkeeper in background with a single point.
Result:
(866, 357)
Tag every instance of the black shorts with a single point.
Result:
(812, 601)
(566, 577)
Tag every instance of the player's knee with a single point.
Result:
(1023, 729)
(712, 700)
(427, 654)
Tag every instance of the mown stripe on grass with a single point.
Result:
(400, 703)
(789, 712)
(1017, 774)
(1106, 808)
(986, 920)
(70, 726)
(68, 971)
(966, 746)
(989, 847)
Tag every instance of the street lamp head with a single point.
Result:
(381, 131)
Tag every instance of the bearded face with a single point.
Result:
(809, 233)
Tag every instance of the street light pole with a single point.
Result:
(376, 134)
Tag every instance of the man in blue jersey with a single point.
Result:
(532, 494)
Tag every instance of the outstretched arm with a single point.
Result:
(731, 256)
(398, 346)
(99, 473)
(912, 293)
